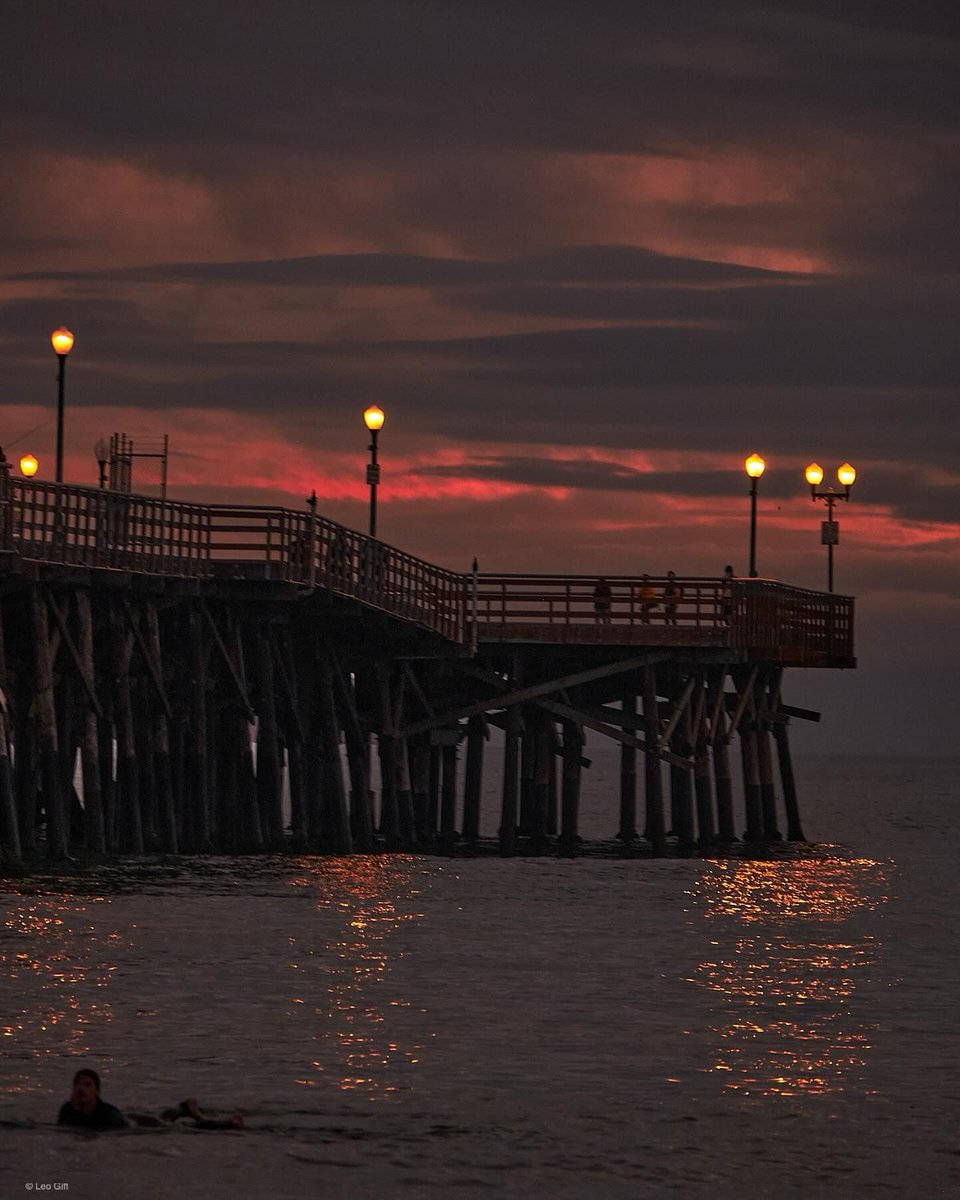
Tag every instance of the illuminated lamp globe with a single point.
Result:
(373, 418)
(814, 474)
(29, 465)
(754, 466)
(62, 341)
(846, 474)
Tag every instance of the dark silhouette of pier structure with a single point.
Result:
(186, 659)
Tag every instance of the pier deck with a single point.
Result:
(165, 634)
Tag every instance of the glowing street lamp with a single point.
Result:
(830, 529)
(29, 466)
(754, 467)
(62, 341)
(373, 418)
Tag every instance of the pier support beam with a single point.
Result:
(628, 772)
(448, 789)
(653, 785)
(336, 816)
(473, 777)
(542, 742)
(722, 776)
(46, 729)
(511, 782)
(751, 780)
(570, 792)
(269, 766)
(702, 784)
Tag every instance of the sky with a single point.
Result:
(586, 257)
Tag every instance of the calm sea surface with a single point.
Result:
(528, 1027)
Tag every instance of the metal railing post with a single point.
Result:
(474, 597)
(312, 540)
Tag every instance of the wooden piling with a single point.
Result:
(95, 837)
(196, 792)
(335, 796)
(553, 786)
(10, 848)
(653, 786)
(160, 741)
(269, 767)
(722, 776)
(48, 752)
(751, 778)
(542, 742)
(528, 752)
(144, 755)
(250, 829)
(419, 753)
(433, 789)
(448, 789)
(473, 777)
(570, 791)
(358, 759)
(511, 781)
(386, 749)
(405, 809)
(768, 797)
(129, 824)
(787, 782)
(25, 771)
(702, 783)
(681, 782)
(628, 772)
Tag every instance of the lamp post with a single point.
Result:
(102, 451)
(29, 466)
(754, 467)
(830, 529)
(62, 341)
(373, 418)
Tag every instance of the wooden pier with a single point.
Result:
(191, 658)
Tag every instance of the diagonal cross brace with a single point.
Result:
(520, 696)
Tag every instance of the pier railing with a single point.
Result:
(770, 619)
(575, 600)
(97, 528)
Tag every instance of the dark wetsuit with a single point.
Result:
(104, 1116)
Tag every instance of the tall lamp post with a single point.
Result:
(373, 418)
(62, 341)
(830, 529)
(754, 467)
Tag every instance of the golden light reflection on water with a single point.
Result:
(357, 1015)
(55, 964)
(786, 963)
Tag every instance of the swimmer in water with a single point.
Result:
(86, 1110)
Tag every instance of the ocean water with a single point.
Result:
(532, 1027)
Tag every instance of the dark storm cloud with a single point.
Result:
(731, 356)
(572, 264)
(769, 358)
(386, 75)
(910, 493)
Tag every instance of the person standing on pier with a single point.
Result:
(601, 602)
(672, 595)
(649, 600)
